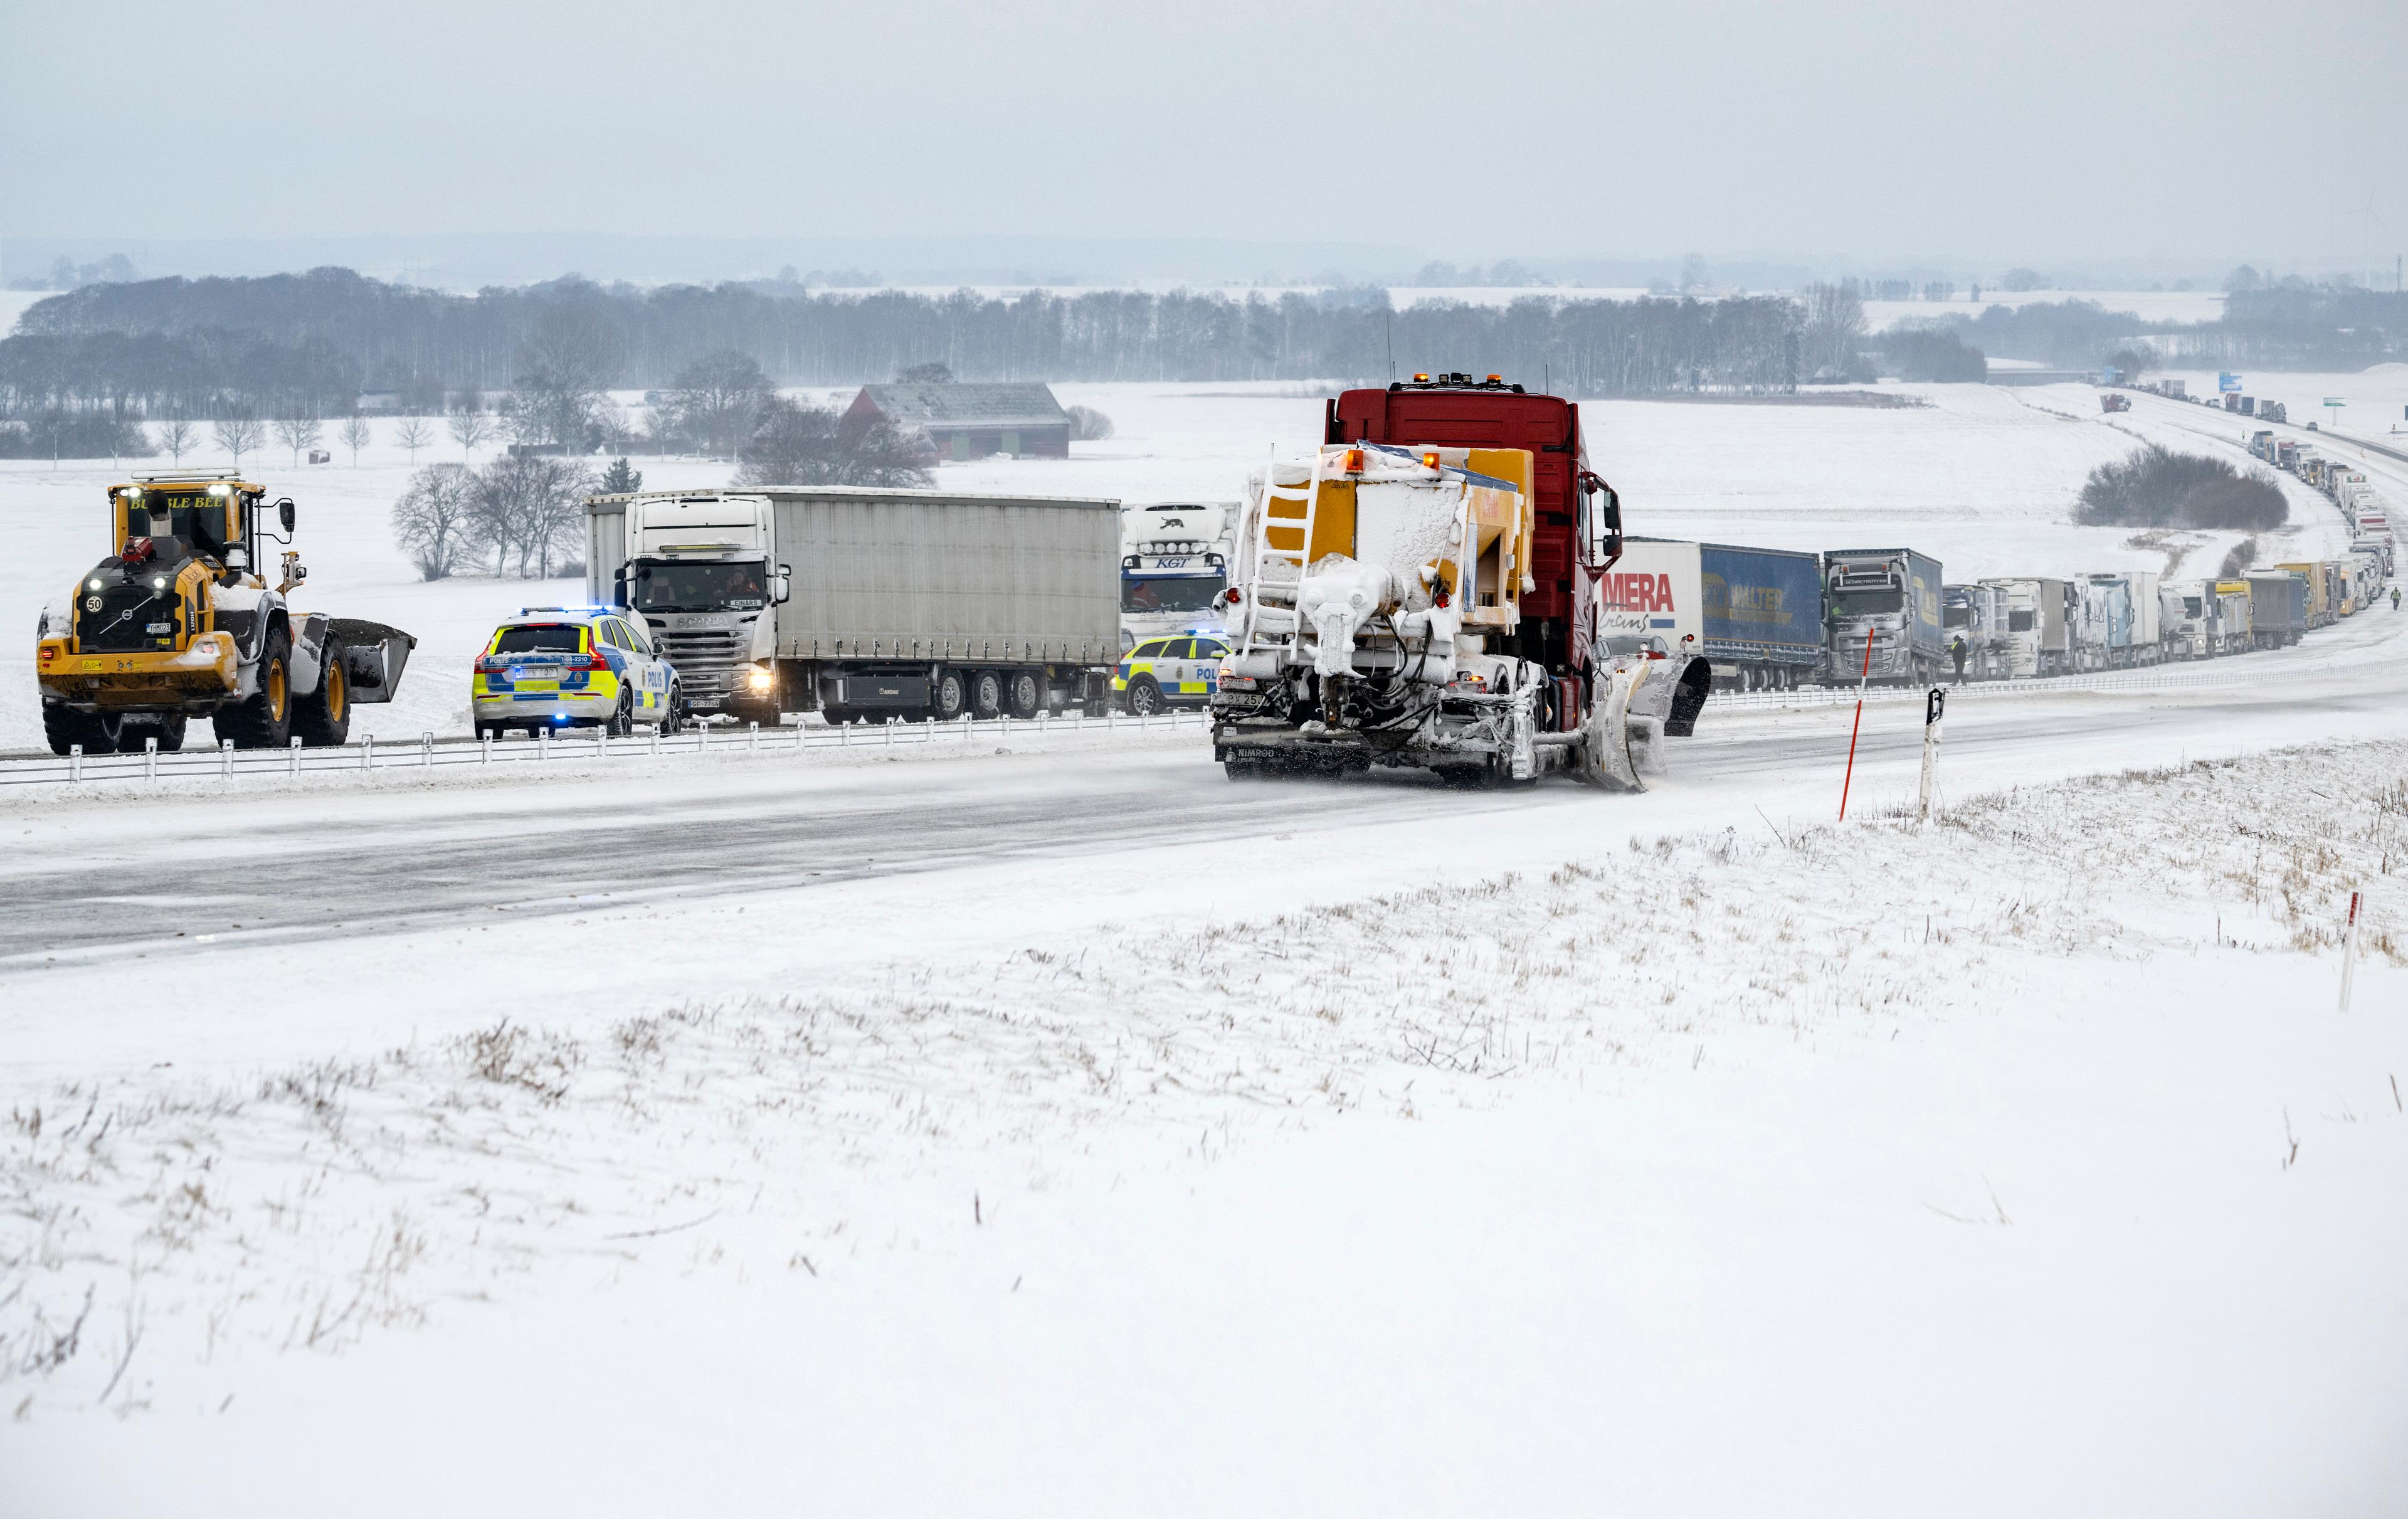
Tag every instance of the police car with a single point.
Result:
(575, 667)
(1161, 672)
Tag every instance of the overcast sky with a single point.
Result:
(2033, 129)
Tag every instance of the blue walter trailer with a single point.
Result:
(1755, 615)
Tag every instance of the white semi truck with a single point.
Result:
(867, 604)
(1175, 558)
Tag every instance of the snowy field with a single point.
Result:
(1056, 1128)
(1982, 478)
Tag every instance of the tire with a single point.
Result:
(1027, 695)
(266, 720)
(953, 695)
(1144, 697)
(622, 721)
(988, 693)
(673, 714)
(171, 732)
(65, 727)
(324, 718)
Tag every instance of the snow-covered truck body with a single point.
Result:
(2232, 631)
(1378, 616)
(2318, 579)
(1891, 599)
(2039, 638)
(914, 604)
(1754, 613)
(2189, 619)
(178, 622)
(1175, 558)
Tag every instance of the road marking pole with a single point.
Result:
(293, 758)
(1935, 702)
(2350, 950)
(1858, 726)
(426, 748)
(367, 752)
(74, 762)
(151, 759)
(225, 759)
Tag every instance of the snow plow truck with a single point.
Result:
(176, 624)
(1422, 590)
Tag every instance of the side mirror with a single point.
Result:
(619, 586)
(1599, 522)
(285, 513)
(783, 586)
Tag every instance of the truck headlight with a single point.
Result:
(759, 679)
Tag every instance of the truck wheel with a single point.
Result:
(953, 695)
(1144, 697)
(1027, 694)
(324, 718)
(65, 727)
(266, 720)
(171, 733)
(988, 693)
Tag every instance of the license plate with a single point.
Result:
(536, 685)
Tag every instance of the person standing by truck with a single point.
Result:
(1957, 651)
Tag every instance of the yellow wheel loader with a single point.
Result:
(178, 622)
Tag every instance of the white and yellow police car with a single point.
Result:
(1159, 673)
(575, 667)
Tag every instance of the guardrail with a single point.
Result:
(2155, 678)
(581, 746)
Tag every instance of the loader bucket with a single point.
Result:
(1606, 759)
(374, 656)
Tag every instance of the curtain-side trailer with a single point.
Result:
(1754, 613)
(918, 604)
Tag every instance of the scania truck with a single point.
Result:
(868, 604)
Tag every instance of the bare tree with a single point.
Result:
(176, 434)
(1835, 323)
(563, 370)
(524, 509)
(239, 432)
(468, 429)
(357, 435)
(1089, 425)
(801, 445)
(414, 432)
(716, 400)
(432, 520)
(297, 433)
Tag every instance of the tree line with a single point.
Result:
(309, 344)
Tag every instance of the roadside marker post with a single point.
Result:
(293, 758)
(1935, 702)
(2350, 950)
(1862, 677)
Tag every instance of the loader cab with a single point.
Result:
(212, 518)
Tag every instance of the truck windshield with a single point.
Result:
(2021, 621)
(698, 588)
(1866, 603)
(1959, 617)
(1170, 593)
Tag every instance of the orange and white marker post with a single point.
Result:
(2349, 949)
(1862, 676)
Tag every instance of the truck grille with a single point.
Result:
(705, 659)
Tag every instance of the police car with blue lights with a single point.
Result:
(575, 668)
(1161, 673)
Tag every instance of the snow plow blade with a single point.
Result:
(1606, 759)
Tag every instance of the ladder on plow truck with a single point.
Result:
(1307, 498)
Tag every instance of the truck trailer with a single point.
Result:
(1882, 612)
(1754, 613)
(867, 604)
(2278, 606)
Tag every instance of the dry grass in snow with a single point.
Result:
(156, 1229)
